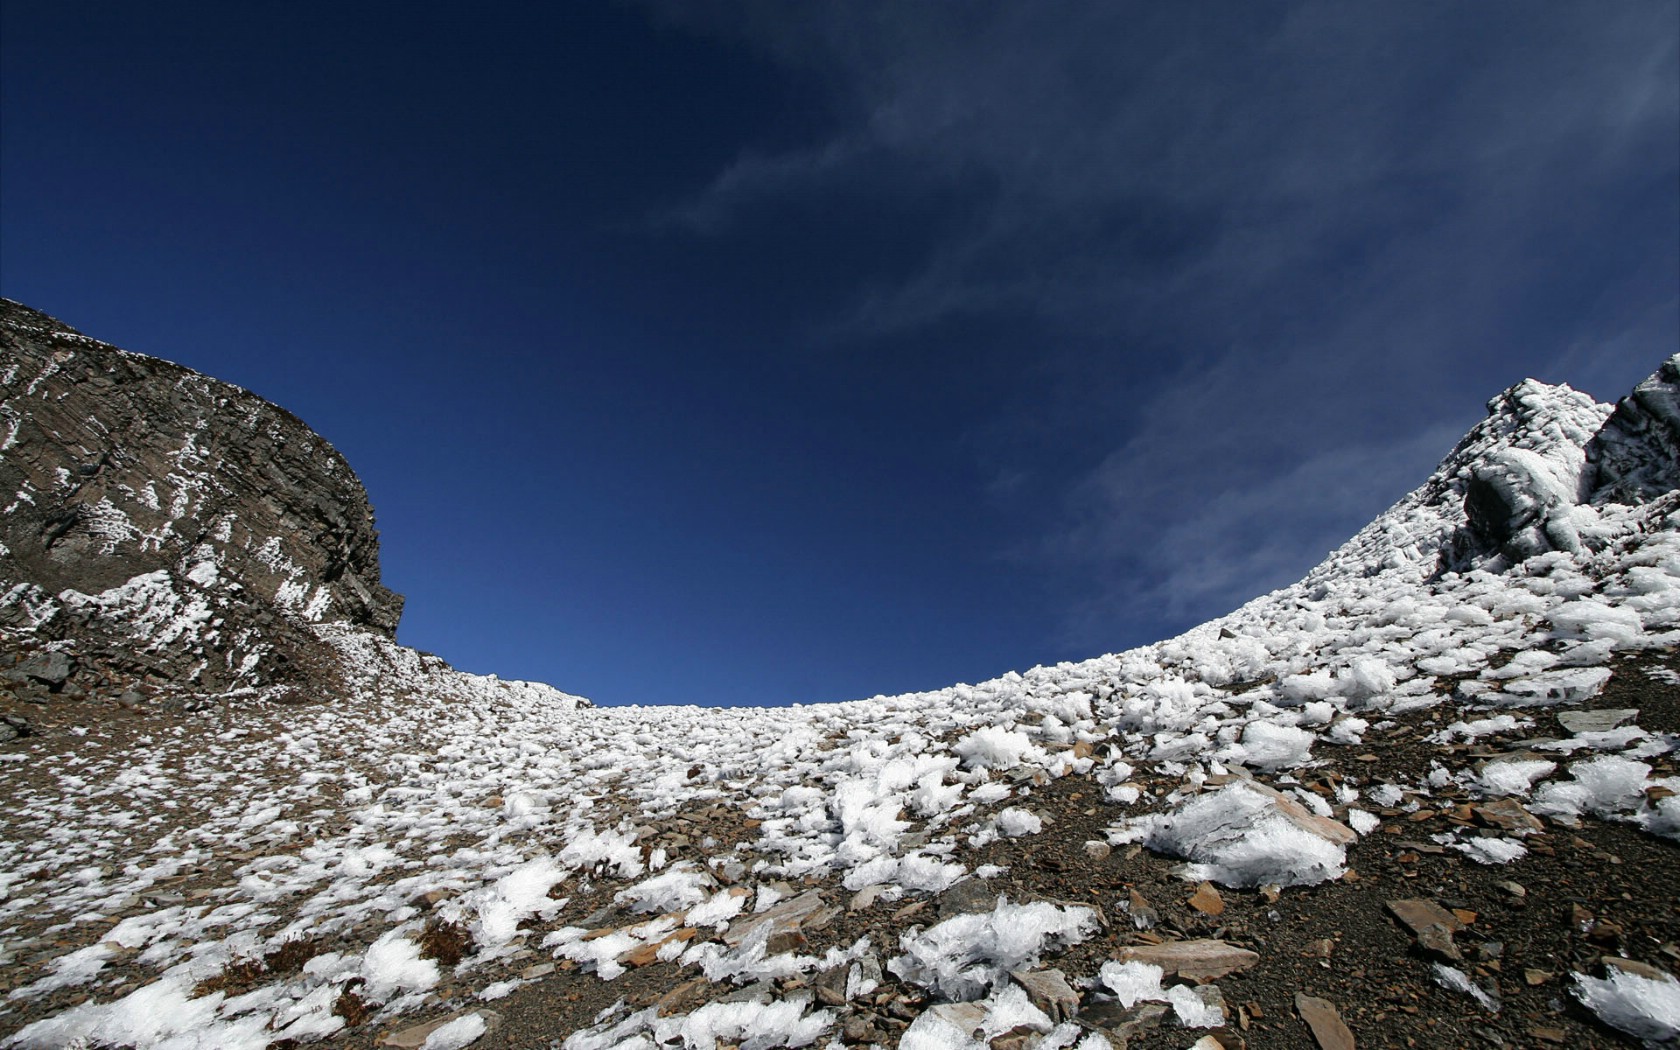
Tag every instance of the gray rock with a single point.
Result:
(830, 986)
(1122, 1022)
(604, 916)
(784, 919)
(965, 1017)
(1601, 721)
(52, 668)
(1635, 456)
(756, 992)
(1211, 996)
(968, 897)
(1513, 503)
(859, 1030)
(1049, 991)
(869, 967)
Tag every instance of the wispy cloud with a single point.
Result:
(1287, 249)
(1134, 149)
(754, 178)
(1179, 550)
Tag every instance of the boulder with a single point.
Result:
(50, 668)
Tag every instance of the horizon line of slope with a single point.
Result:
(903, 794)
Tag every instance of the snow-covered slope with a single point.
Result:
(1436, 677)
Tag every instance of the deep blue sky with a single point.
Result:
(756, 353)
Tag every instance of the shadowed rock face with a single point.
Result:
(184, 524)
(1635, 458)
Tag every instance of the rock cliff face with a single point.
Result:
(1635, 458)
(181, 529)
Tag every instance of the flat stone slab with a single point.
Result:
(1431, 924)
(965, 1017)
(1049, 991)
(1638, 969)
(1507, 814)
(1200, 960)
(415, 1036)
(1325, 1022)
(1601, 721)
(1333, 831)
(786, 917)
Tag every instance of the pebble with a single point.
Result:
(1207, 900)
(1144, 916)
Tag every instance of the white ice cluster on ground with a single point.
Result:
(966, 955)
(1645, 1007)
(1242, 836)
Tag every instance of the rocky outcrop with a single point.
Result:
(1536, 474)
(1518, 495)
(1636, 456)
(179, 529)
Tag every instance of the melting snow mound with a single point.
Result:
(1640, 1006)
(963, 957)
(1246, 835)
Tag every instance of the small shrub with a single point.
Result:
(241, 973)
(447, 942)
(237, 974)
(292, 954)
(351, 1006)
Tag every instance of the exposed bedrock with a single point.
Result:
(190, 529)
